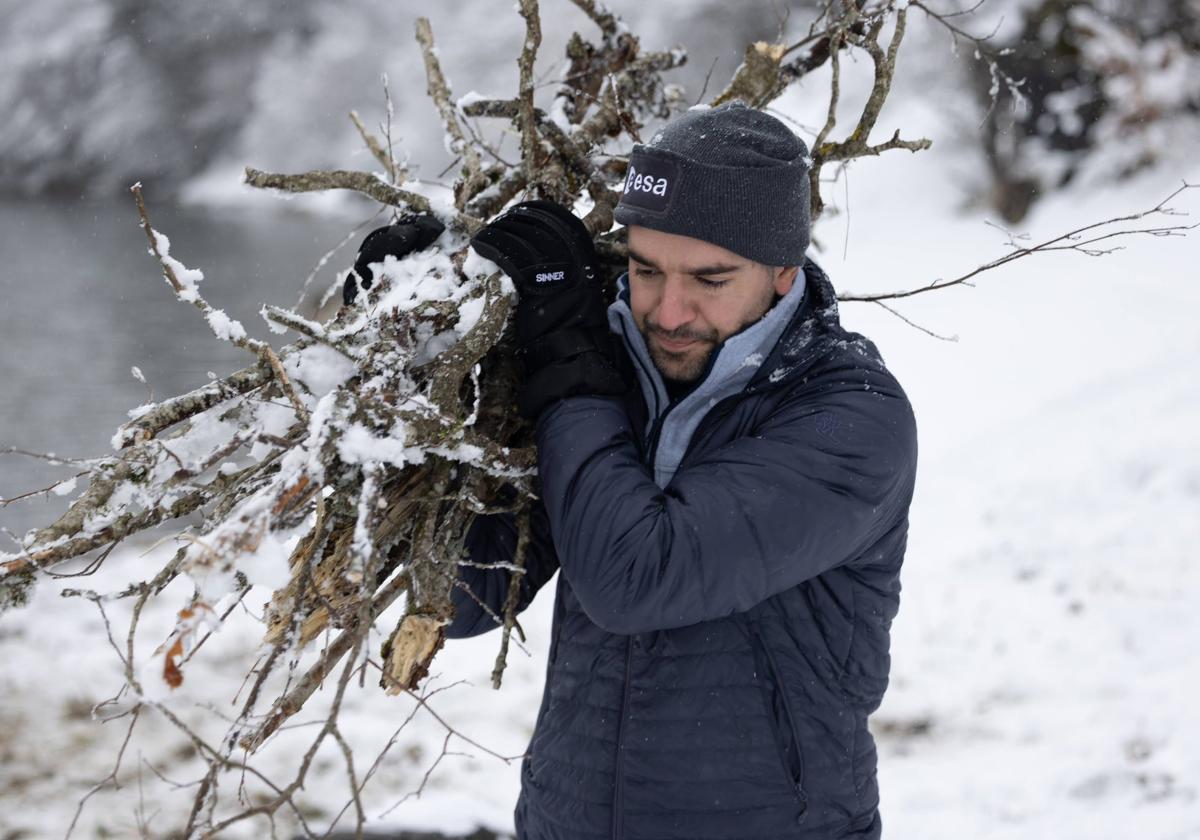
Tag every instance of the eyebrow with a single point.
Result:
(699, 271)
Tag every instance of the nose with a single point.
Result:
(675, 310)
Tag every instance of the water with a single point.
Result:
(82, 301)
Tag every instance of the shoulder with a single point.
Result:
(847, 408)
(819, 367)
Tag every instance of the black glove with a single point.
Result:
(412, 233)
(560, 320)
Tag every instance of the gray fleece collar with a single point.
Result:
(730, 368)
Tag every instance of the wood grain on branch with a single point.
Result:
(294, 700)
(757, 79)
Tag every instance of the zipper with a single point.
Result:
(708, 419)
(618, 816)
(617, 821)
(656, 433)
(641, 364)
(794, 775)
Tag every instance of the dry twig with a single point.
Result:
(1082, 240)
(473, 179)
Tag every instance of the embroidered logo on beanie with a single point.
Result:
(730, 175)
(649, 183)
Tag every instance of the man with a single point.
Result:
(729, 530)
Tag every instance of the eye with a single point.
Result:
(643, 271)
(711, 284)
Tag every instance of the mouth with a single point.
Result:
(675, 346)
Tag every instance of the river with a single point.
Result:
(82, 302)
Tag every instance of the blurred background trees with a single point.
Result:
(1107, 87)
(99, 93)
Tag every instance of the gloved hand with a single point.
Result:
(560, 318)
(411, 233)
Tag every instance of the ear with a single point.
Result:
(785, 278)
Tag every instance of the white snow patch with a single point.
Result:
(431, 347)
(470, 98)
(188, 278)
(224, 327)
(319, 367)
(139, 411)
(359, 445)
(468, 315)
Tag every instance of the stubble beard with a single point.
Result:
(683, 368)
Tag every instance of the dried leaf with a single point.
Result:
(171, 673)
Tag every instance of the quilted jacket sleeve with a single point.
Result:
(493, 539)
(815, 486)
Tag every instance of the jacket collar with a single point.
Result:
(732, 366)
(813, 328)
(779, 345)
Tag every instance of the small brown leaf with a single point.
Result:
(171, 673)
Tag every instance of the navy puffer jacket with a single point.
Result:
(721, 623)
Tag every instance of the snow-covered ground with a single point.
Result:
(1045, 655)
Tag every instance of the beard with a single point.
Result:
(681, 368)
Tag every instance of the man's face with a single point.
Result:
(688, 295)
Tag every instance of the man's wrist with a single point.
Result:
(590, 373)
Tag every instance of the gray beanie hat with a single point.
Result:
(731, 175)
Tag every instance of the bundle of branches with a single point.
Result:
(351, 462)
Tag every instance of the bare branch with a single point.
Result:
(1078, 240)
(915, 325)
(609, 25)
(526, 118)
(856, 145)
(757, 79)
(516, 578)
(295, 699)
(439, 91)
(309, 329)
(169, 412)
(458, 361)
(52, 488)
(364, 182)
(222, 326)
(382, 155)
(110, 779)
